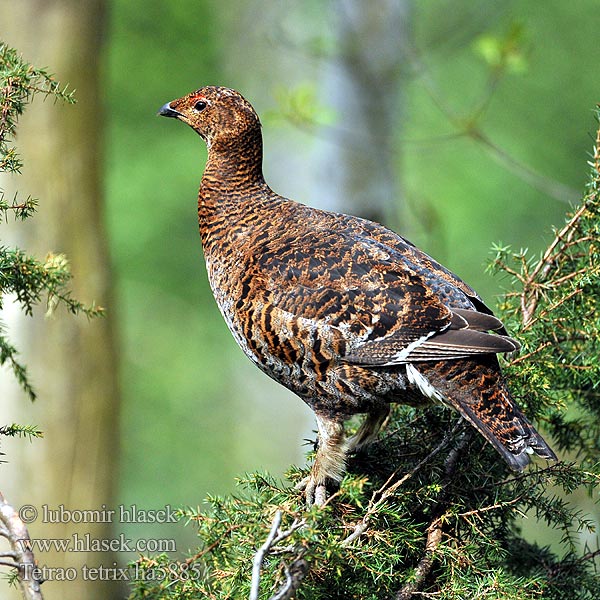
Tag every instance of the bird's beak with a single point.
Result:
(167, 111)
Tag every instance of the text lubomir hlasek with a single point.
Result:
(121, 514)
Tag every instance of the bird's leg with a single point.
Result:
(330, 461)
(369, 428)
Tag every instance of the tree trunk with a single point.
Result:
(356, 164)
(71, 360)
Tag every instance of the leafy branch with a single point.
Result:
(503, 54)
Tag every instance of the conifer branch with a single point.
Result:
(434, 530)
(389, 488)
(570, 236)
(29, 279)
(531, 285)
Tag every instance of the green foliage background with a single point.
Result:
(194, 408)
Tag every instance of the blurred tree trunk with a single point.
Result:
(357, 163)
(71, 360)
(358, 74)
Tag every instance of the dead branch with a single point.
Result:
(434, 530)
(294, 573)
(434, 537)
(22, 559)
(260, 556)
(498, 505)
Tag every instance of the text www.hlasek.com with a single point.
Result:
(87, 543)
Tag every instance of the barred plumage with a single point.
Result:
(342, 311)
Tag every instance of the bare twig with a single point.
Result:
(527, 356)
(260, 556)
(589, 556)
(478, 511)
(23, 561)
(555, 571)
(549, 186)
(294, 573)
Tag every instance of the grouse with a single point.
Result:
(341, 310)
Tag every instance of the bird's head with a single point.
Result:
(221, 116)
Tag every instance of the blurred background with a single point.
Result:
(458, 124)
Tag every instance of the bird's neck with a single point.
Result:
(233, 169)
(232, 184)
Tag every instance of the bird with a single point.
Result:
(342, 311)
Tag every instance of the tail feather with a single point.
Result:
(476, 389)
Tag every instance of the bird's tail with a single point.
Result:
(477, 390)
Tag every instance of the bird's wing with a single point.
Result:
(385, 309)
(435, 274)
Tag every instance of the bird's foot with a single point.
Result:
(316, 492)
(330, 462)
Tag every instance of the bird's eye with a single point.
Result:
(200, 105)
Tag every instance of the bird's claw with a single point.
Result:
(315, 492)
(301, 485)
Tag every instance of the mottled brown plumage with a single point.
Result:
(342, 311)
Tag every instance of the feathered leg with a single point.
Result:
(330, 461)
(369, 428)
